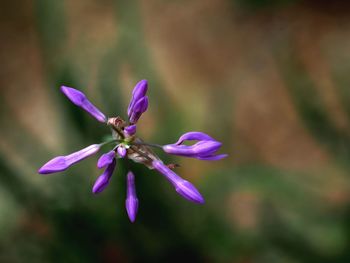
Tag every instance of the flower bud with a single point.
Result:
(183, 187)
(139, 91)
(79, 99)
(105, 159)
(103, 180)
(61, 163)
(131, 202)
(204, 149)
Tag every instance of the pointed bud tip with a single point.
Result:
(100, 184)
(57, 164)
(103, 180)
(132, 204)
(78, 98)
(140, 88)
(190, 192)
(74, 95)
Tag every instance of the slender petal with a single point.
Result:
(79, 99)
(139, 91)
(61, 163)
(213, 157)
(204, 149)
(198, 136)
(105, 159)
(130, 130)
(131, 202)
(121, 151)
(103, 180)
(183, 187)
(200, 149)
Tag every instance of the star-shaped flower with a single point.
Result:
(127, 145)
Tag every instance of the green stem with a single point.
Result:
(107, 142)
(148, 144)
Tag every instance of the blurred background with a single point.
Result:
(268, 78)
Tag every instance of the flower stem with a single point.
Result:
(148, 144)
(107, 142)
(120, 133)
(141, 153)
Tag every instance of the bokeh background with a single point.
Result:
(268, 78)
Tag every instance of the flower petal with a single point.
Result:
(61, 163)
(198, 136)
(130, 130)
(183, 187)
(139, 91)
(79, 99)
(140, 107)
(103, 180)
(213, 157)
(202, 148)
(131, 202)
(105, 159)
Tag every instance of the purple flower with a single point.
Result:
(61, 163)
(127, 146)
(103, 180)
(204, 149)
(183, 187)
(131, 202)
(79, 99)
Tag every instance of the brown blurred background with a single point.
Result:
(268, 78)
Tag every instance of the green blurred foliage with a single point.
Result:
(257, 210)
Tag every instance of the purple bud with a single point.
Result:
(144, 104)
(103, 180)
(61, 163)
(183, 187)
(198, 136)
(121, 151)
(200, 149)
(139, 105)
(79, 99)
(204, 149)
(131, 202)
(130, 130)
(138, 92)
(136, 111)
(105, 159)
